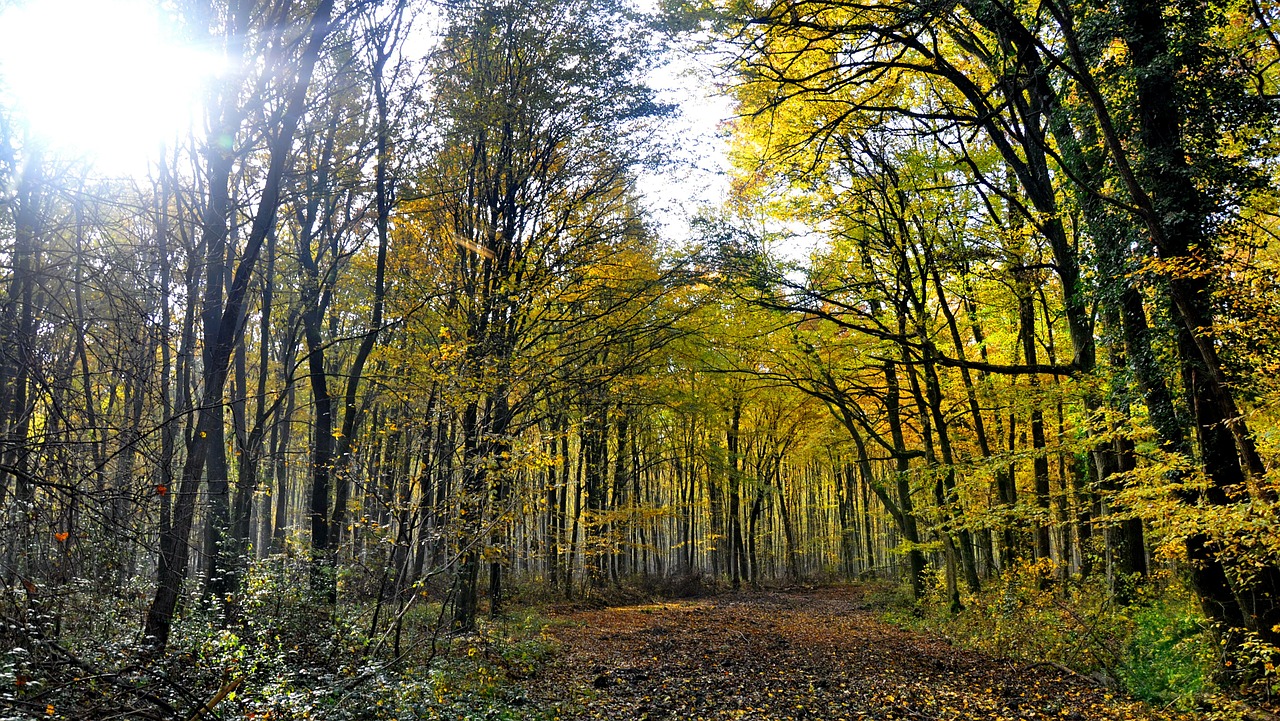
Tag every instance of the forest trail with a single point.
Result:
(795, 655)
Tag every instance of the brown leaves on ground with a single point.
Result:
(814, 655)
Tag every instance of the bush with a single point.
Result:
(1171, 655)
(287, 654)
(303, 658)
(1159, 648)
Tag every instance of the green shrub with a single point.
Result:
(1159, 648)
(1171, 654)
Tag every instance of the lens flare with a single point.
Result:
(107, 79)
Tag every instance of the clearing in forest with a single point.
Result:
(790, 655)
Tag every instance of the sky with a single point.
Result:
(696, 174)
(109, 80)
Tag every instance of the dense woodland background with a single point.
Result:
(392, 338)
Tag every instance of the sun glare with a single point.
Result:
(107, 79)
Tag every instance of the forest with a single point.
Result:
(388, 352)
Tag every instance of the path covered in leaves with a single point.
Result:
(813, 655)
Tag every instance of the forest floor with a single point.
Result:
(820, 654)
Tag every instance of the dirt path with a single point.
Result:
(816, 655)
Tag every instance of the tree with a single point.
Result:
(220, 338)
(1139, 186)
(536, 111)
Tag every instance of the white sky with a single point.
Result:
(696, 173)
(107, 80)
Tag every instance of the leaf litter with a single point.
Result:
(820, 654)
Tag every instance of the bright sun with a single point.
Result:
(107, 79)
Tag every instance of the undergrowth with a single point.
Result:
(1158, 648)
(287, 655)
(304, 660)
